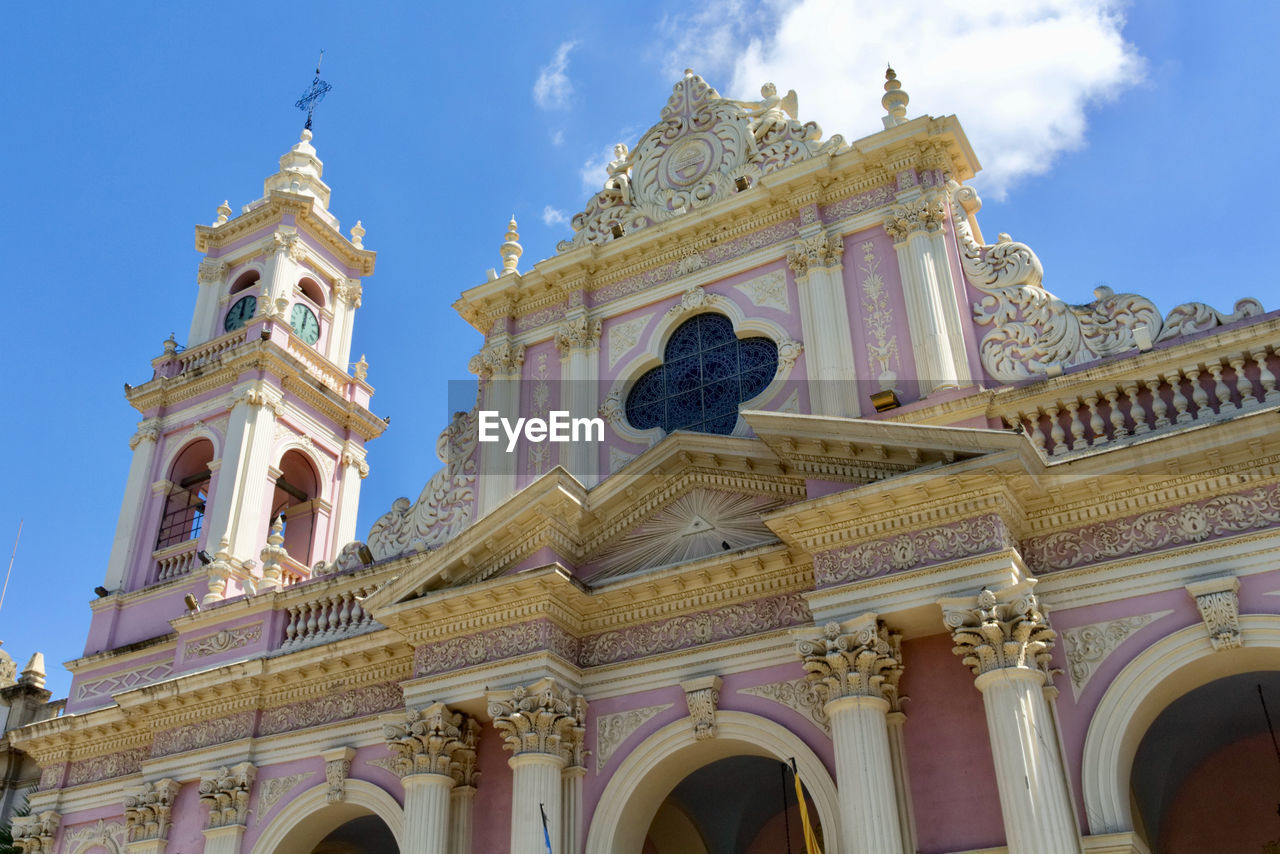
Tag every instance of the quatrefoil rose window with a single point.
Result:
(706, 374)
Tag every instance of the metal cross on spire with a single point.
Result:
(314, 95)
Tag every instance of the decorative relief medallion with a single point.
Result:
(799, 695)
(612, 730)
(338, 706)
(768, 291)
(222, 641)
(1197, 522)
(966, 538)
(115, 683)
(623, 337)
(1088, 646)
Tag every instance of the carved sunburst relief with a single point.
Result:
(698, 524)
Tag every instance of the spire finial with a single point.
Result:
(511, 248)
(357, 235)
(313, 96)
(895, 100)
(224, 211)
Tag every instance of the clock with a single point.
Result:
(240, 313)
(304, 324)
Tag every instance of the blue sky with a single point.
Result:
(1128, 144)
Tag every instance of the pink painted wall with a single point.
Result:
(491, 809)
(189, 818)
(1228, 804)
(953, 780)
(869, 255)
(259, 819)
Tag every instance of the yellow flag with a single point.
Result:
(810, 840)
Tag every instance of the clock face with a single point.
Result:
(304, 324)
(240, 313)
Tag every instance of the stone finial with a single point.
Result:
(860, 658)
(170, 345)
(219, 572)
(538, 719)
(226, 791)
(272, 554)
(357, 235)
(895, 100)
(511, 248)
(33, 674)
(224, 212)
(362, 368)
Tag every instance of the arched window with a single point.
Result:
(297, 489)
(707, 372)
(183, 516)
(246, 280)
(312, 291)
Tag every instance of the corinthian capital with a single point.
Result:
(34, 834)
(226, 791)
(434, 740)
(578, 334)
(925, 214)
(1002, 629)
(502, 359)
(147, 808)
(817, 251)
(859, 658)
(148, 431)
(538, 719)
(211, 271)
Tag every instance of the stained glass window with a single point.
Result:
(706, 373)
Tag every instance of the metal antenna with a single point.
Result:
(313, 96)
(5, 589)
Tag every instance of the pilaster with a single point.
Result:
(578, 340)
(128, 541)
(824, 317)
(226, 792)
(242, 478)
(147, 816)
(1005, 638)
(434, 748)
(498, 366)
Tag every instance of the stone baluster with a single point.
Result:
(1159, 408)
(1220, 388)
(1244, 386)
(1118, 430)
(1005, 639)
(427, 744)
(1137, 414)
(1037, 432)
(1199, 396)
(1056, 433)
(1097, 426)
(226, 791)
(534, 723)
(1077, 426)
(855, 667)
(1266, 378)
(1180, 402)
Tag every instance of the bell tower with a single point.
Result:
(261, 415)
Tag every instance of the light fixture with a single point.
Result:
(205, 557)
(193, 607)
(741, 183)
(101, 591)
(366, 556)
(885, 399)
(615, 230)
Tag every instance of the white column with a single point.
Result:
(460, 803)
(499, 366)
(898, 757)
(571, 808)
(856, 666)
(1005, 639)
(431, 746)
(426, 813)
(223, 840)
(345, 301)
(929, 292)
(824, 320)
(354, 470)
(578, 340)
(205, 325)
(239, 513)
(538, 725)
(128, 526)
(282, 272)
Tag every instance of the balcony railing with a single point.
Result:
(175, 561)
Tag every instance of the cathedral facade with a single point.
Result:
(845, 495)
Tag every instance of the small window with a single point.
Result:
(706, 374)
(312, 291)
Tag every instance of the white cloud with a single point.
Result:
(552, 88)
(551, 216)
(596, 169)
(557, 137)
(1020, 76)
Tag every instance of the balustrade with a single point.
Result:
(328, 616)
(175, 561)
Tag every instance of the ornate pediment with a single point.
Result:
(704, 149)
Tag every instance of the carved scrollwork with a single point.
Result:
(1032, 329)
(434, 740)
(1218, 600)
(147, 810)
(820, 250)
(997, 630)
(538, 719)
(501, 359)
(579, 333)
(445, 505)
(226, 791)
(859, 659)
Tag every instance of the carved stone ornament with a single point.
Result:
(799, 695)
(147, 808)
(537, 719)
(1031, 329)
(996, 630)
(703, 697)
(226, 792)
(1218, 600)
(926, 215)
(704, 149)
(211, 271)
(695, 299)
(500, 360)
(444, 507)
(429, 741)
(275, 789)
(34, 834)
(820, 250)
(612, 408)
(148, 431)
(612, 730)
(222, 641)
(579, 333)
(789, 351)
(108, 834)
(860, 658)
(1088, 646)
(337, 768)
(290, 243)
